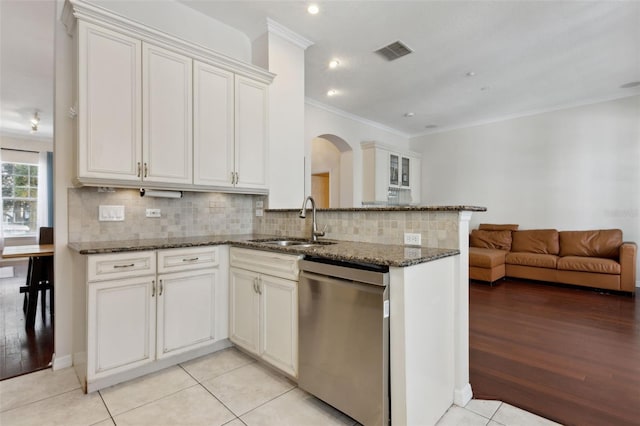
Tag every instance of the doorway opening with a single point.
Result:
(321, 189)
(331, 172)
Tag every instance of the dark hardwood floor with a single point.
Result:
(568, 354)
(22, 351)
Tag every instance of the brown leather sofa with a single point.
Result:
(597, 258)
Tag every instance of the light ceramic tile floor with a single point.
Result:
(225, 388)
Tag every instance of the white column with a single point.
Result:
(462, 390)
(285, 55)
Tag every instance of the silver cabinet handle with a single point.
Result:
(255, 285)
(146, 169)
(130, 265)
(139, 169)
(233, 178)
(237, 178)
(153, 288)
(191, 259)
(258, 285)
(161, 287)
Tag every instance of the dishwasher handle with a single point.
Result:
(345, 273)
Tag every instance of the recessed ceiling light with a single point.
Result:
(313, 9)
(430, 126)
(332, 92)
(334, 63)
(470, 74)
(409, 114)
(630, 85)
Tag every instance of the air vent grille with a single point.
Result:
(394, 51)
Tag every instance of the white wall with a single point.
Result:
(325, 158)
(572, 169)
(188, 24)
(321, 121)
(172, 17)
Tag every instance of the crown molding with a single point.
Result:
(274, 27)
(354, 117)
(529, 113)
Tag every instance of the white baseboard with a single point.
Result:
(461, 397)
(60, 362)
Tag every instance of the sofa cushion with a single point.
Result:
(598, 243)
(486, 258)
(589, 264)
(539, 260)
(496, 227)
(500, 240)
(543, 241)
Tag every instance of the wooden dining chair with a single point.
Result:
(39, 280)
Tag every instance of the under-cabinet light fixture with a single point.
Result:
(160, 193)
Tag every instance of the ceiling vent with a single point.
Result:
(394, 51)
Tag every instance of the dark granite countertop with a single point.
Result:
(378, 254)
(394, 209)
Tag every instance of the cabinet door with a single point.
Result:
(109, 108)
(244, 309)
(279, 323)
(167, 116)
(250, 133)
(121, 325)
(186, 311)
(213, 133)
(394, 169)
(405, 172)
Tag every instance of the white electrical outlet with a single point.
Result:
(259, 204)
(110, 213)
(412, 239)
(153, 213)
(259, 212)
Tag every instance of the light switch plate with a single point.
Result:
(110, 213)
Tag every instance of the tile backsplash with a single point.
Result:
(201, 214)
(438, 229)
(196, 214)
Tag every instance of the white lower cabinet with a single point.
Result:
(121, 324)
(186, 306)
(263, 311)
(146, 308)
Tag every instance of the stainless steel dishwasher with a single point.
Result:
(343, 337)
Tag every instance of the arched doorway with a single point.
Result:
(331, 171)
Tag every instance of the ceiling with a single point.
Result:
(26, 67)
(526, 56)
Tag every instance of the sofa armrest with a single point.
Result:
(628, 253)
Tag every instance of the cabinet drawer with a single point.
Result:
(122, 265)
(187, 259)
(266, 262)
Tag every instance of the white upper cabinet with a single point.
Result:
(389, 175)
(158, 111)
(109, 107)
(251, 133)
(213, 132)
(167, 117)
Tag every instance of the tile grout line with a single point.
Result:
(42, 399)
(107, 407)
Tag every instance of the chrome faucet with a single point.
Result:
(303, 213)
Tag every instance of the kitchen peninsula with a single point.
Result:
(428, 290)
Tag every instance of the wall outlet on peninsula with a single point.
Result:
(412, 239)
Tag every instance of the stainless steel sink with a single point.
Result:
(294, 243)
